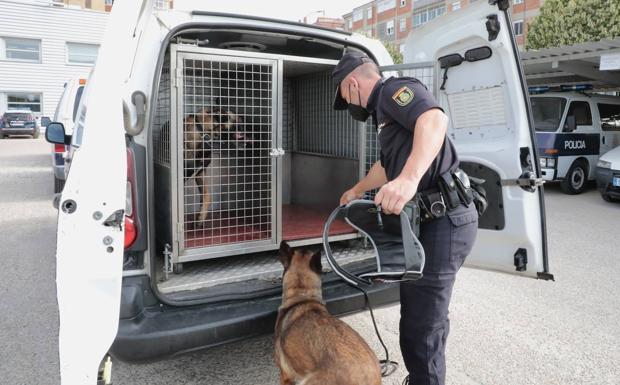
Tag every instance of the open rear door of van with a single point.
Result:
(90, 238)
(469, 58)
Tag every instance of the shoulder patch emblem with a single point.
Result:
(403, 96)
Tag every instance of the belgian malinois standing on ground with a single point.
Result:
(311, 346)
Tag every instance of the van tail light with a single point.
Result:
(131, 230)
(131, 233)
(59, 148)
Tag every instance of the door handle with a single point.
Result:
(603, 139)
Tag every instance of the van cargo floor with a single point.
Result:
(260, 266)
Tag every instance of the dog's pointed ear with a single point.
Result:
(286, 254)
(315, 263)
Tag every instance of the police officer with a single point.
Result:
(416, 156)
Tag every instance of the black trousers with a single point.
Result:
(424, 323)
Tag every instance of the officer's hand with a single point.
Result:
(395, 194)
(350, 195)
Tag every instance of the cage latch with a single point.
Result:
(276, 152)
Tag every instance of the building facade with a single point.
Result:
(329, 22)
(96, 5)
(391, 21)
(42, 45)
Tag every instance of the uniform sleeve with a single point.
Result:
(405, 100)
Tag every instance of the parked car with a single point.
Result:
(66, 112)
(573, 130)
(140, 275)
(18, 122)
(608, 175)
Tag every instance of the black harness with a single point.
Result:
(400, 255)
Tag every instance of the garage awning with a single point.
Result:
(574, 64)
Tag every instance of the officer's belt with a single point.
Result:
(453, 189)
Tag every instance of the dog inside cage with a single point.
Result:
(249, 152)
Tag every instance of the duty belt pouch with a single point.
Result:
(448, 188)
(479, 194)
(463, 187)
(399, 253)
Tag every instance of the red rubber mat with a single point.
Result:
(298, 222)
(303, 222)
(226, 231)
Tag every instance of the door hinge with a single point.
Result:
(176, 77)
(167, 261)
(521, 259)
(116, 219)
(501, 4)
(493, 27)
(527, 181)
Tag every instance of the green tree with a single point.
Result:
(565, 22)
(397, 57)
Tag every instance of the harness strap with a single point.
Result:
(392, 239)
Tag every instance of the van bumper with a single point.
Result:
(149, 330)
(604, 178)
(548, 174)
(8, 131)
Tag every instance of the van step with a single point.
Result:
(261, 266)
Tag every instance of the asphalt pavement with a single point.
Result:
(504, 329)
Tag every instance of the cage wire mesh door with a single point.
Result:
(225, 172)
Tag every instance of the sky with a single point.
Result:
(294, 10)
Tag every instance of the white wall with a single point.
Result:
(54, 26)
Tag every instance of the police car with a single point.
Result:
(573, 129)
(608, 174)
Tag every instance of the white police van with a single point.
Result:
(137, 280)
(573, 129)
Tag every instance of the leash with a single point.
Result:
(413, 262)
(388, 367)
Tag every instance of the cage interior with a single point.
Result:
(234, 189)
(321, 146)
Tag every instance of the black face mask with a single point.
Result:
(356, 110)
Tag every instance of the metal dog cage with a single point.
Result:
(255, 136)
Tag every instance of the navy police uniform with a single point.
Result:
(396, 104)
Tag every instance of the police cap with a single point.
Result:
(349, 61)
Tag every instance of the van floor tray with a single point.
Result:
(260, 266)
